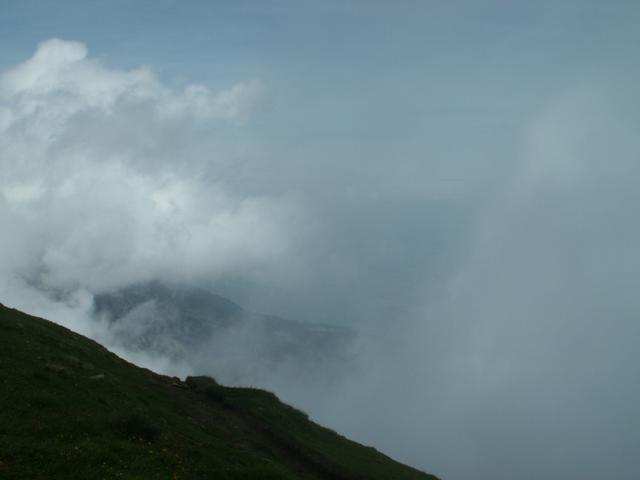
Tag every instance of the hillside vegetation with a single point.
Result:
(70, 409)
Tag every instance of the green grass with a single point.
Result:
(71, 409)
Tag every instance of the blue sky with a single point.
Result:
(345, 72)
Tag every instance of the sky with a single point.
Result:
(455, 180)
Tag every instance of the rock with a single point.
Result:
(176, 382)
(99, 376)
(201, 382)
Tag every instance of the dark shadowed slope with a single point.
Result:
(71, 409)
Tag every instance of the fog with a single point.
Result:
(456, 183)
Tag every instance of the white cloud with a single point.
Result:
(100, 187)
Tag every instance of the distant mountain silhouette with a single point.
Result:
(193, 324)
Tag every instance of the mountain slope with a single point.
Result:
(71, 409)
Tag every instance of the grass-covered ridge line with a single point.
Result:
(71, 409)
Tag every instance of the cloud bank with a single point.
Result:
(104, 181)
(526, 365)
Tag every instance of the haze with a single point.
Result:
(457, 181)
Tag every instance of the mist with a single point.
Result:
(457, 184)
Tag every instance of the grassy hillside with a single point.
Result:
(69, 408)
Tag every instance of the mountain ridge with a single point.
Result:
(69, 408)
